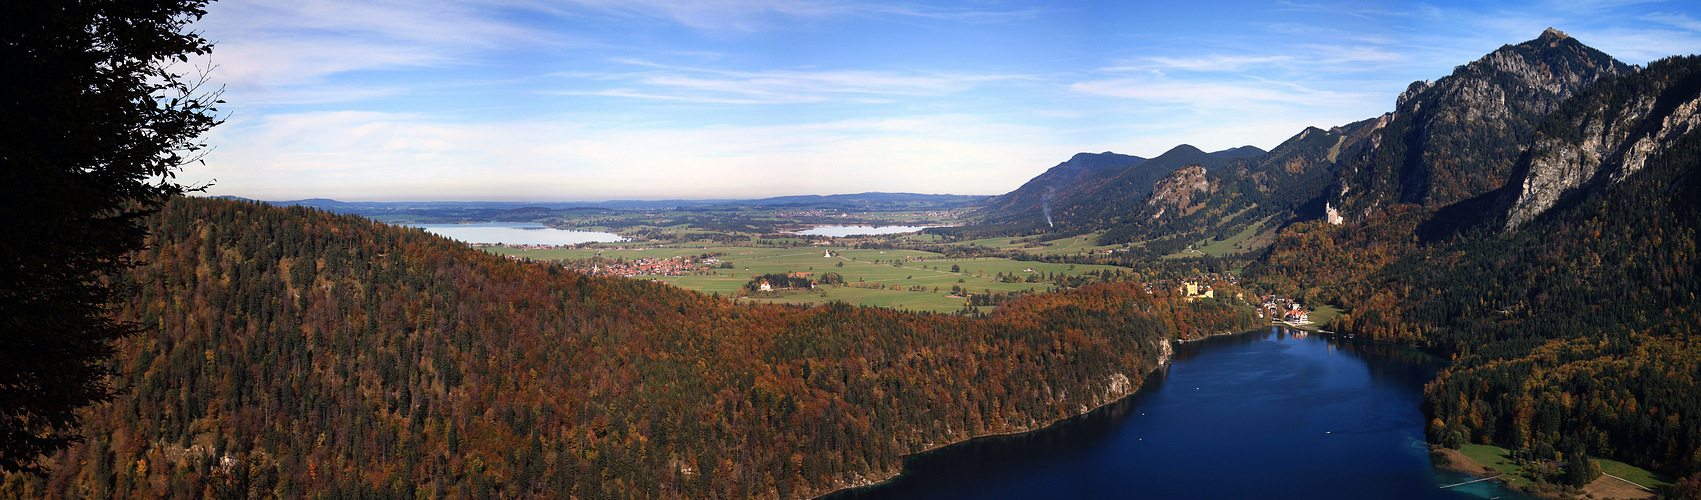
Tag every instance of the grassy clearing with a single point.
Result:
(1074, 245)
(889, 298)
(1321, 315)
(1229, 217)
(1232, 245)
(1496, 457)
(1646, 478)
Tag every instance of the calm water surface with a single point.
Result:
(517, 233)
(843, 231)
(1264, 414)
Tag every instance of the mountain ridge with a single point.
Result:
(1092, 193)
(1459, 136)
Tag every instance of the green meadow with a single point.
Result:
(901, 279)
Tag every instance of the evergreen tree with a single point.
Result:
(92, 131)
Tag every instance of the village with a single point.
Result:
(675, 266)
(1278, 309)
(1283, 310)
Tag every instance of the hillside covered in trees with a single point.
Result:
(300, 351)
(1575, 330)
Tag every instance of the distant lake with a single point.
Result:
(1264, 414)
(517, 233)
(843, 231)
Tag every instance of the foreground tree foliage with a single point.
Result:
(306, 352)
(93, 126)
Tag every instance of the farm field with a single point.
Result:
(900, 279)
(1067, 245)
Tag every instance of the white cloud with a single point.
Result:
(1677, 20)
(268, 45)
(1219, 63)
(778, 86)
(1201, 94)
(1639, 46)
(754, 15)
(364, 155)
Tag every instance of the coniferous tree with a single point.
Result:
(92, 131)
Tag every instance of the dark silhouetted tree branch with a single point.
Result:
(96, 121)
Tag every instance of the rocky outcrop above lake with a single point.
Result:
(1605, 136)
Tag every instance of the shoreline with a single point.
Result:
(1163, 362)
(1456, 461)
(1310, 327)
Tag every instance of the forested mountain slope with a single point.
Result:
(1079, 195)
(1257, 193)
(1575, 324)
(1458, 137)
(1020, 205)
(300, 352)
(1107, 195)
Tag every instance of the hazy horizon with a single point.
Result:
(566, 201)
(463, 100)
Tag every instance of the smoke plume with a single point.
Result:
(1046, 203)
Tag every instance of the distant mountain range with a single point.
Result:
(496, 210)
(1447, 141)
(1089, 185)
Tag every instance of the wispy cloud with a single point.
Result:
(1219, 63)
(1675, 20)
(1211, 94)
(279, 44)
(753, 15)
(1347, 9)
(779, 86)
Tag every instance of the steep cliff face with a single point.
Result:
(1181, 192)
(1460, 137)
(1605, 135)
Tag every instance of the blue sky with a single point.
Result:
(654, 99)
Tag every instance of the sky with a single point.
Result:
(591, 100)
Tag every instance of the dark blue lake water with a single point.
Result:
(1265, 414)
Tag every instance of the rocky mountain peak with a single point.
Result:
(1459, 136)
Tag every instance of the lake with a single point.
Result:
(517, 233)
(843, 231)
(1265, 414)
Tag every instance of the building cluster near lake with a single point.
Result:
(812, 213)
(526, 246)
(675, 266)
(1199, 286)
(1284, 309)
